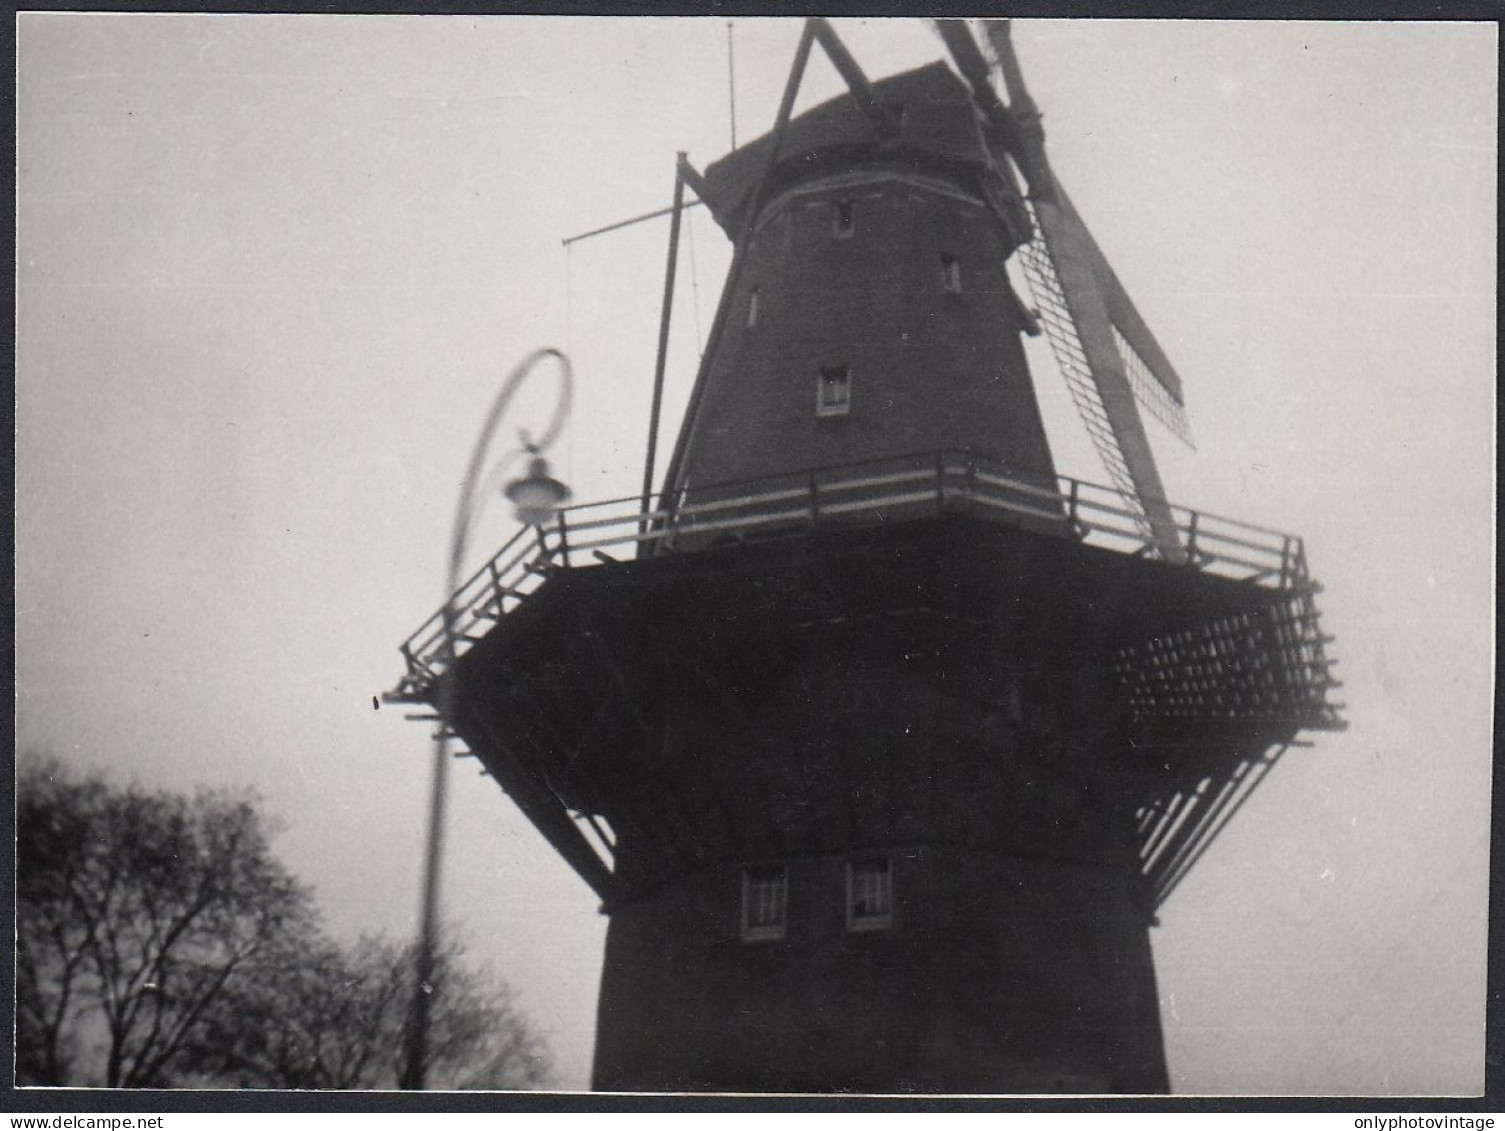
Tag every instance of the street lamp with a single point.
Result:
(537, 498)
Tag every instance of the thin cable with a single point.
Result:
(695, 288)
(569, 348)
(569, 298)
(731, 79)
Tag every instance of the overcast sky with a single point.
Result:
(272, 268)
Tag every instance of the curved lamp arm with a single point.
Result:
(513, 382)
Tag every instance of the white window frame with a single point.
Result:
(771, 895)
(833, 390)
(880, 891)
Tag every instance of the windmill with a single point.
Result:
(880, 740)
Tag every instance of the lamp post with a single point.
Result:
(537, 498)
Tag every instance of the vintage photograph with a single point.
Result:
(757, 555)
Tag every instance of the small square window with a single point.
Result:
(842, 226)
(833, 393)
(951, 274)
(870, 895)
(765, 902)
(752, 307)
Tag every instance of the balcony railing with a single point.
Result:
(861, 494)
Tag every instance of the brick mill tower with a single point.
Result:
(880, 740)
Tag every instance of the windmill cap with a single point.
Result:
(937, 135)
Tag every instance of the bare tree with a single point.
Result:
(313, 1017)
(158, 943)
(478, 1037)
(53, 817)
(336, 1019)
(135, 910)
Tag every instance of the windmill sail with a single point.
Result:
(1156, 384)
(1071, 358)
(1074, 308)
(1105, 350)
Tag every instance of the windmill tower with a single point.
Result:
(879, 739)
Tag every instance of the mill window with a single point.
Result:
(752, 308)
(833, 392)
(870, 895)
(765, 902)
(841, 224)
(951, 274)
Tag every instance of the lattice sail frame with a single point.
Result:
(1045, 285)
(1151, 395)
(1071, 359)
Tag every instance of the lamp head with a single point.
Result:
(537, 497)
